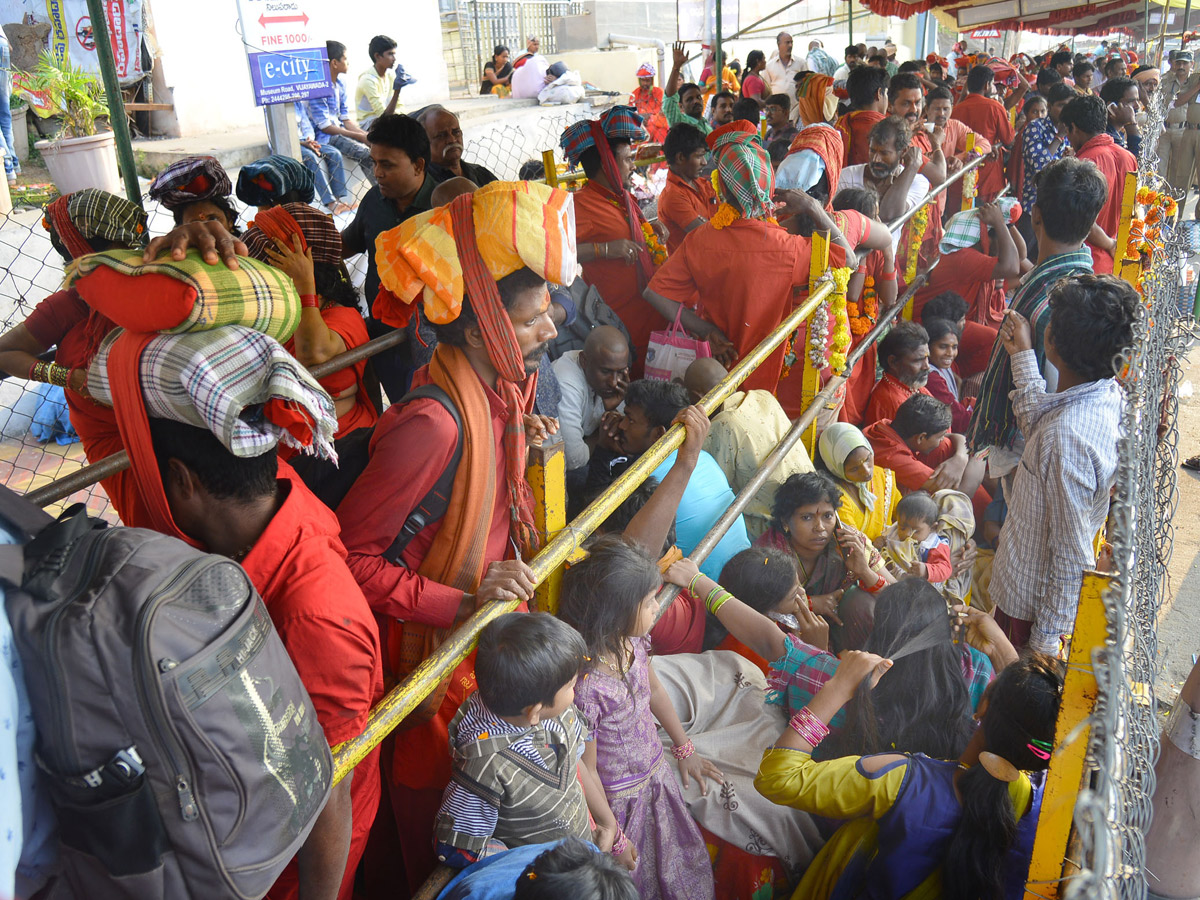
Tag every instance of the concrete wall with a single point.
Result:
(204, 64)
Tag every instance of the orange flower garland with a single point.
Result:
(658, 253)
(865, 313)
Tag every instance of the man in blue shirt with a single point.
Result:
(650, 408)
(337, 200)
(331, 117)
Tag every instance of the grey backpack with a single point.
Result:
(181, 751)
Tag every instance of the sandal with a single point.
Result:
(1192, 462)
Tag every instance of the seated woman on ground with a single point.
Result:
(839, 568)
(937, 685)
(869, 492)
(768, 579)
(923, 828)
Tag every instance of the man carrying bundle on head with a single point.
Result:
(478, 267)
(202, 415)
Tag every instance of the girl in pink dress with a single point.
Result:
(610, 599)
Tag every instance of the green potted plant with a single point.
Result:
(81, 156)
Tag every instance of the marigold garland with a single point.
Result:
(1145, 234)
(916, 235)
(658, 253)
(841, 324)
(865, 313)
(725, 215)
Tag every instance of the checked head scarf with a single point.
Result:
(316, 229)
(92, 213)
(744, 169)
(189, 181)
(264, 181)
(621, 123)
(965, 229)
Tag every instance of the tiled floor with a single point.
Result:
(26, 465)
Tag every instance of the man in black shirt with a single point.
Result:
(400, 151)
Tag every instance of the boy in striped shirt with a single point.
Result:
(518, 773)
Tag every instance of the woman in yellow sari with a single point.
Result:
(869, 492)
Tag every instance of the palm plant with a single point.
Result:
(72, 93)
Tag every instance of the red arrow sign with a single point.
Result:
(264, 20)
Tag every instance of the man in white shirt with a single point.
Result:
(593, 382)
(782, 69)
(852, 58)
(894, 170)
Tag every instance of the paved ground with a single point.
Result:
(1179, 629)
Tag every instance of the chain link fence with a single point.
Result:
(32, 455)
(1113, 811)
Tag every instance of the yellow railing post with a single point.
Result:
(1129, 269)
(1069, 761)
(970, 179)
(551, 168)
(547, 475)
(811, 385)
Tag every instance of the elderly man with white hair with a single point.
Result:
(446, 148)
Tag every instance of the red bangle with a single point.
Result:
(876, 587)
(307, 300)
(888, 276)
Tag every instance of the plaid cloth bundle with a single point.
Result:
(239, 384)
(93, 213)
(965, 228)
(618, 123)
(316, 230)
(190, 180)
(188, 294)
(264, 181)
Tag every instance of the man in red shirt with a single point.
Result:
(747, 270)
(904, 355)
(906, 99)
(486, 360)
(918, 447)
(688, 199)
(867, 86)
(230, 495)
(989, 118)
(608, 223)
(1086, 120)
(971, 273)
(939, 104)
(258, 512)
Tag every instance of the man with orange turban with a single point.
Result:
(478, 267)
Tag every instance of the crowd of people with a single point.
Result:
(858, 685)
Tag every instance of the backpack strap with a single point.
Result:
(434, 504)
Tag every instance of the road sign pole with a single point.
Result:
(116, 103)
(281, 129)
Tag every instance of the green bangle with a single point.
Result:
(717, 598)
(692, 584)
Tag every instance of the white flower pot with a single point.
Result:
(82, 162)
(20, 127)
